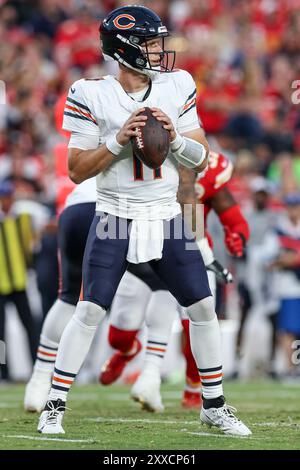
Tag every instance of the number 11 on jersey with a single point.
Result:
(138, 170)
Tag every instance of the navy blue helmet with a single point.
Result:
(123, 32)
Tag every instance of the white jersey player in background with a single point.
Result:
(73, 228)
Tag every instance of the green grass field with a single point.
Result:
(104, 418)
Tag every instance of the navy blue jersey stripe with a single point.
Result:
(156, 342)
(191, 95)
(154, 354)
(46, 360)
(57, 387)
(48, 347)
(137, 168)
(213, 369)
(66, 113)
(79, 104)
(157, 172)
(210, 384)
(66, 374)
(187, 110)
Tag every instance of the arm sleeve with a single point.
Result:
(188, 119)
(78, 116)
(235, 221)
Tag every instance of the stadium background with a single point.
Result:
(245, 59)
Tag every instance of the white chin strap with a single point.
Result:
(151, 73)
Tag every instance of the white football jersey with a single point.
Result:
(127, 188)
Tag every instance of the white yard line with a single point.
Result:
(210, 434)
(100, 419)
(277, 425)
(35, 438)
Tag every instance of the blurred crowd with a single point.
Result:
(245, 59)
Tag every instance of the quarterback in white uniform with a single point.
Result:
(99, 108)
(103, 115)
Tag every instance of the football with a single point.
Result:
(153, 144)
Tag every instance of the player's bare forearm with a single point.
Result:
(187, 195)
(84, 164)
(186, 190)
(222, 201)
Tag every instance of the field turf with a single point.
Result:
(104, 418)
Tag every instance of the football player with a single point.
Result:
(73, 230)
(138, 288)
(130, 308)
(103, 115)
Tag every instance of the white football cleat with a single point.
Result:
(146, 391)
(51, 418)
(224, 419)
(36, 392)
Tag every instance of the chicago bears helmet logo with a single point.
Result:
(125, 17)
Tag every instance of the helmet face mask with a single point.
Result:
(166, 57)
(125, 34)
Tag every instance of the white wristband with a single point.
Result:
(113, 145)
(176, 143)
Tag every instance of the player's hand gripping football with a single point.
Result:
(130, 127)
(164, 118)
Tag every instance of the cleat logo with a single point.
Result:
(126, 17)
